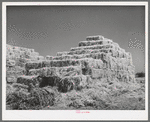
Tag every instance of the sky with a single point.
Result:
(52, 29)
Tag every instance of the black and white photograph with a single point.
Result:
(79, 58)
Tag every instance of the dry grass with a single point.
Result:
(103, 95)
(37, 98)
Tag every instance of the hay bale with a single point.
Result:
(48, 57)
(70, 83)
(61, 53)
(64, 63)
(98, 73)
(18, 85)
(34, 72)
(97, 37)
(10, 63)
(35, 65)
(11, 79)
(69, 71)
(106, 46)
(56, 71)
(48, 71)
(14, 73)
(27, 80)
(40, 57)
(88, 63)
(95, 42)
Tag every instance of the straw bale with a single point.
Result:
(61, 53)
(96, 42)
(69, 71)
(36, 65)
(11, 79)
(49, 57)
(75, 82)
(97, 73)
(40, 57)
(93, 47)
(97, 37)
(18, 86)
(10, 63)
(27, 80)
(34, 72)
(56, 71)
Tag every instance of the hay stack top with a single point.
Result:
(97, 37)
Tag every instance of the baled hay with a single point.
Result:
(27, 80)
(97, 37)
(97, 73)
(34, 72)
(44, 72)
(40, 57)
(11, 79)
(49, 57)
(18, 85)
(97, 42)
(61, 53)
(51, 63)
(94, 47)
(91, 63)
(73, 82)
(69, 71)
(14, 73)
(48, 71)
(10, 63)
(35, 65)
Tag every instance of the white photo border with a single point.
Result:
(71, 114)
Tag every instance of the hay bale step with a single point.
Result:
(107, 46)
(56, 71)
(95, 42)
(29, 80)
(51, 63)
(86, 62)
(96, 54)
(97, 37)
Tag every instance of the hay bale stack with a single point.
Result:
(16, 58)
(97, 58)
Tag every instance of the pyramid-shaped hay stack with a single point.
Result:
(96, 58)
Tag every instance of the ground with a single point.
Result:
(102, 96)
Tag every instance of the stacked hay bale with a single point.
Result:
(95, 58)
(29, 75)
(16, 58)
(98, 57)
